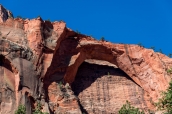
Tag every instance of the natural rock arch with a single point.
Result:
(134, 60)
(52, 51)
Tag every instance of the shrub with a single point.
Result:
(152, 48)
(169, 55)
(160, 51)
(19, 17)
(169, 71)
(165, 102)
(61, 85)
(21, 110)
(78, 32)
(38, 109)
(102, 39)
(10, 16)
(48, 20)
(109, 76)
(128, 109)
(140, 44)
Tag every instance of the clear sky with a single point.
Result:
(148, 22)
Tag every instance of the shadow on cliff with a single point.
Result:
(60, 61)
(5, 63)
(89, 73)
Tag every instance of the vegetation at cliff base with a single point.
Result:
(21, 110)
(38, 109)
(128, 109)
(165, 102)
(169, 71)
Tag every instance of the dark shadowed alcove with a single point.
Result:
(7, 86)
(103, 89)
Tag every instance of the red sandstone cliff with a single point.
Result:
(42, 61)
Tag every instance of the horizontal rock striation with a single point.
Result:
(103, 90)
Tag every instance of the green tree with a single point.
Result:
(152, 48)
(140, 44)
(102, 39)
(160, 50)
(169, 55)
(48, 20)
(169, 71)
(21, 110)
(38, 109)
(165, 102)
(19, 17)
(78, 32)
(128, 109)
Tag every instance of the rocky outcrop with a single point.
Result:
(4, 14)
(39, 62)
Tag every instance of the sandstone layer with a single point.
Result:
(46, 62)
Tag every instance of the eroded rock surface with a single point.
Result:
(39, 61)
(103, 90)
(4, 14)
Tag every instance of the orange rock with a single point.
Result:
(40, 55)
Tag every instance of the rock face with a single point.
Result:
(4, 14)
(103, 90)
(66, 72)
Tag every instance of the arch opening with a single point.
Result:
(67, 60)
(104, 89)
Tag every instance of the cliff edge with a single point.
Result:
(46, 62)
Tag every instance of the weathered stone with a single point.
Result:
(4, 14)
(41, 60)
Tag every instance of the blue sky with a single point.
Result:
(120, 21)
